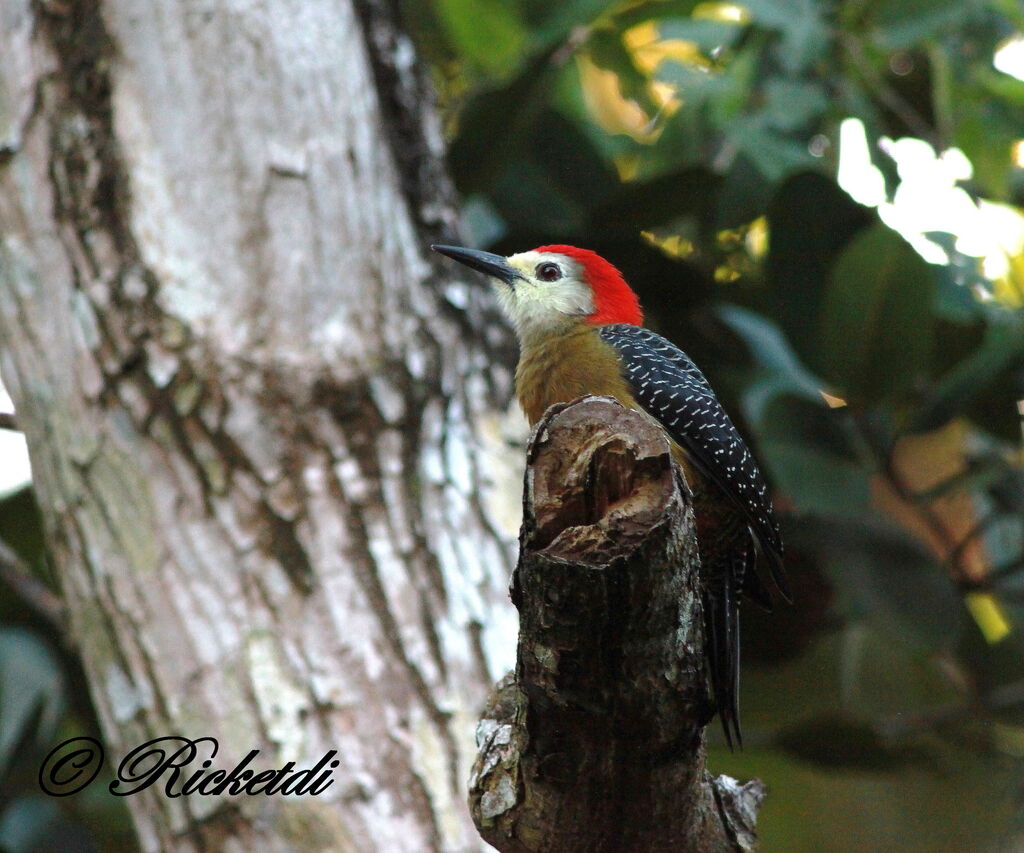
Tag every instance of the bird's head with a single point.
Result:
(554, 287)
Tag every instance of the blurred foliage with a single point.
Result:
(43, 700)
(697, 146)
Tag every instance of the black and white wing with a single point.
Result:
(671, 388)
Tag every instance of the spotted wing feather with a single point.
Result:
(671, 388)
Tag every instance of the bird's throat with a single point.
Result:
(562, 368)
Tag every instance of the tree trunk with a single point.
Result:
(264, 430)
(597, 744)
(267, 436)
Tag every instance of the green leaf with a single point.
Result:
(880, 572)
(809, 220)
(566, 15)
(21, 527)
(572, 163)
(485, 32)
(527, 197)
(955, 283)
(855, 98)
(608, 51)
(659, 201)
(1002, 346)
(554, 182)
(876, 323)
(709, 36)
(712, 101)
(1000, 86)
(496, 123)
(774, 154)
(811, 458)
(29, 824)
(31, 691)
(994, 666)
(695, 84)
(902, 23)
(744, 195)
(685, 138)
(805, 33)
(1011, 10)
(807, 447)
(779, 370)
(640, 11)
(792, 105)
(986, 126)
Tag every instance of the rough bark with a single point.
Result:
(597, 742)
(262, 425)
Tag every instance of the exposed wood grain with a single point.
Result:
(597, 742)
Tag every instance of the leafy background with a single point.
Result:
(697, 145)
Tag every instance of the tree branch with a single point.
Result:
(33, 592)
(597, 743)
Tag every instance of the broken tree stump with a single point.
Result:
(596, 742)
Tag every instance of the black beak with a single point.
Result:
(485, 262)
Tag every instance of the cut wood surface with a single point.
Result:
(596, 742)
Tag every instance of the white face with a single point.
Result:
(551, 294)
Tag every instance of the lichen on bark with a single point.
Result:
(250, 407)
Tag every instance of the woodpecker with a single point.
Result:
(579, 330)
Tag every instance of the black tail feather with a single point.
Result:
(722, 619)
(726, 585)
(754, 588)
(774, 560)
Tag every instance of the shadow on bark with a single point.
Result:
(596, 742)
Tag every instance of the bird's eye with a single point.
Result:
(548, 272)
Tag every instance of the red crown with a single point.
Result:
(614, 300)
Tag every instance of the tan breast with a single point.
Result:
(567, 366)
(571, 365)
